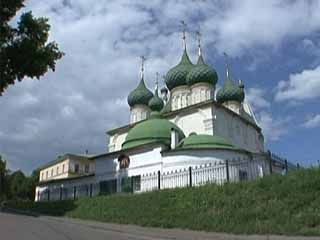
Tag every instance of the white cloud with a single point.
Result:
(256, 98)
(312, 122)
(72, 108)
(248, 24)
(272, 128)
(300, 86)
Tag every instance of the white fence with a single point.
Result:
(218, 173)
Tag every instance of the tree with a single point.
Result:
(24, 51)
(19, 185)
(32, 183)
(2, 179)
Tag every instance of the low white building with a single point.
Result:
(186, 137)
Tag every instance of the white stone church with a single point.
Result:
(189, 134)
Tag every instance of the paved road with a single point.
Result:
(23, 227)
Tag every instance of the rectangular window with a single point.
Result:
(136, 183)
(86, 168)
(76, 168)
(57, 170)
(47, 174)
(63, 168)
(51, 172)
(42, 176)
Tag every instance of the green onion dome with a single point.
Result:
(230, 91)
(156, 103)
(140, 95)
(202, 73)
(153, 130)
(177, 76)
(204, 141)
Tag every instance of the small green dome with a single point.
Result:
(153, 130)
(202, 73)
(230, 92)
(205, 141)
(156, 103)
(140, 95)
(177, 76)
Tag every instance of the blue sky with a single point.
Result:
(274, 48)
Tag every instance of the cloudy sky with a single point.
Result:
(274, 47)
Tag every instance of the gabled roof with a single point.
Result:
(125, 128)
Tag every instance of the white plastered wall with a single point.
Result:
(115, 141)
(180, 97)
(236, 131)
(138, 113)
(196, 120)
(201, 92)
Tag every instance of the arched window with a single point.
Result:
(124, 161)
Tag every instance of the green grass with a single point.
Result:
(275, 204)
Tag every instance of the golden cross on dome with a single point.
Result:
(157, 79)
(199, 41)
(184, 28)
(227, 63)
(143, 59)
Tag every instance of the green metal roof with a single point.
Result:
(230, 92)
(156, 103)
(140, 95)
(202, 73)
(177, 76)
(167, 106)
(205, 141)
(155, 129)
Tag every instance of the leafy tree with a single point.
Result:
(2, 178)
(18, 185)
(24, 51)
(32, 183)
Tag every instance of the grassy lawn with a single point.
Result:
(275, 204)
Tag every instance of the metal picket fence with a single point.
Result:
(214, 173)
(218, 173)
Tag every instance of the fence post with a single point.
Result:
(190, 176)
(90, 194)
(132, 178)
(286, 165)
(159, 187)
(60, 193)
(227, 170)
(74, 192)
(269, 160)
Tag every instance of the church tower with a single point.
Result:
(202, 79)
(139, 98)
(231, 95)
(176, 78)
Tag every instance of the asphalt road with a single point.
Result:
(23, 227)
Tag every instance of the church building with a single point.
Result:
(187, 133)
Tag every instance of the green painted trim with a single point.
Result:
(210, 148)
